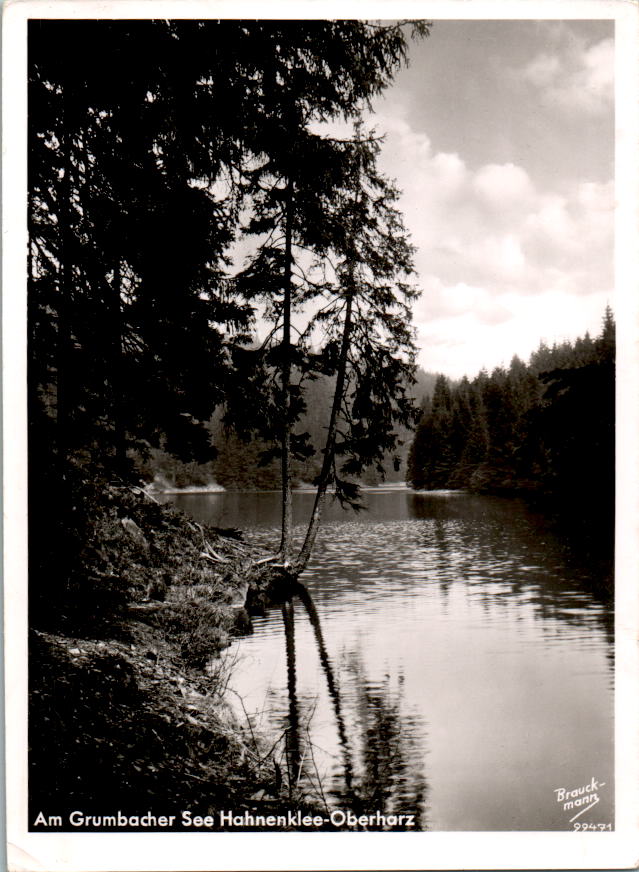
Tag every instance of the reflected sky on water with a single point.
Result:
(470, 646)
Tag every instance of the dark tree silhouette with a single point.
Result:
(545, 429)
(140, 182)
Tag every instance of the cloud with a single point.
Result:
(439, 301)
(503, 186)
(464, 344)
(502, 259)
(498, 258)
(577, 78)
(543, 70)
(493, 227)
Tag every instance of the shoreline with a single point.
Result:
(391, 487)
(133, 692)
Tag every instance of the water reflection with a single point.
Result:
(331, 683)
(390, 778)
(293, 731)
(470, 627)
(379, 775)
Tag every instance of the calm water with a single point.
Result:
(453, 660)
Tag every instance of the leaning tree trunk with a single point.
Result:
(326, 473)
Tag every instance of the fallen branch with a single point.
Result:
(213, 556)
(143, 492)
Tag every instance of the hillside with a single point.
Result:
(237, 464)
(545, 428)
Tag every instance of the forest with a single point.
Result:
(200, 245)
(544, 429)
(220, 288)
(237, 464)
(203, 253)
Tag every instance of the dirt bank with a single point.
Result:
(129, 671)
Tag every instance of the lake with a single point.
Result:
(453, 658)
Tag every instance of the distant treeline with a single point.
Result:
(543, 428)
(238, 466)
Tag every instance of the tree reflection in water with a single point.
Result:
(381, 758)
(390, 759)
(293, 761)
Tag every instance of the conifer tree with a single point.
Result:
(143, 166)
(298, 188)
(366, 320)
(128, 306)
(528, 429)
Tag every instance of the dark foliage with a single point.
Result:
(544, 429)
(142, 167)
(111, 732)
(150, 142)
(238, 465)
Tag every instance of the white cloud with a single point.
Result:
(503, 185)
(543, 70)
(501, 263)
(440, 302)
(462, 345)
(577, 77)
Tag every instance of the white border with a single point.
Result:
(227, 851)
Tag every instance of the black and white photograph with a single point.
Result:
(318, 485)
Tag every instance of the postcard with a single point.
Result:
(320, 356)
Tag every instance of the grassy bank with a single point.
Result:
(129, 667)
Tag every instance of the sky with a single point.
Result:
(501, 136)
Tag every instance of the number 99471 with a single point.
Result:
(599, 828)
